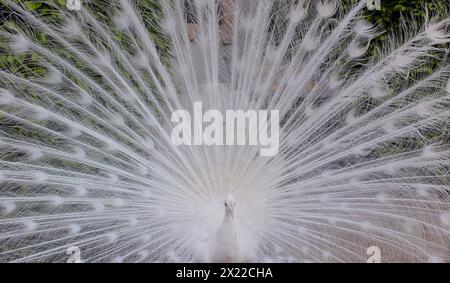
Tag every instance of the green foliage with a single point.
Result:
(32, 5)
(395, 13)
(392, 11)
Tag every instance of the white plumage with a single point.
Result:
(87, 160)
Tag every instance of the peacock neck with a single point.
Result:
(227, 218)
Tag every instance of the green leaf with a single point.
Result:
(32, 5)
(42, 38)
(399, 7)
(34, 57)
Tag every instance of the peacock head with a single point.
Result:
(230, 205)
